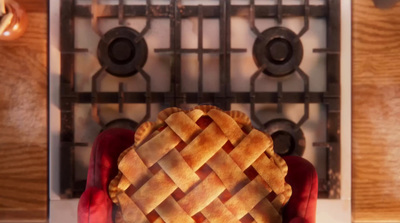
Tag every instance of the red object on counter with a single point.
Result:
(95, 205)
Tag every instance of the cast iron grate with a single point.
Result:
(176, 12)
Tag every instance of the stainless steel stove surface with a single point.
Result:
(117, 63)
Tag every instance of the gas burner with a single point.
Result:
(121, 53)
(287, 139)
(280, 49)
(123, 123)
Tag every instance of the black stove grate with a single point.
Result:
(175, 12)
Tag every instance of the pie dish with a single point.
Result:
(202, 165)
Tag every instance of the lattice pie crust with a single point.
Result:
(216, 170)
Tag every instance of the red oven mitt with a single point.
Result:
(95, 205)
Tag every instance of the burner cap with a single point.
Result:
(121, 51)
(287, 140)
(280, 49)
(123, 123)
(120, 54)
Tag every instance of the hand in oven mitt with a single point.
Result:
(208, 169)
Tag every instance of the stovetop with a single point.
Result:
(281, 62)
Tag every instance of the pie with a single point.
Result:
(202, 165)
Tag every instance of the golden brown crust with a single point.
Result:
(230, 174)
(183, 126)
(195, 114)
(280, 163)
(171, 211)
(206, 108)
(265, 212)
(143, 132)
(113, 189)
(230, 129)
(124, 153)
(203, 194)
(241, 203)
(178, 170)
(287, 193)
(154, 192)
(153, 150)
(138, 175)
(278, 202)
(217, 212)
(195, 168)
(250, 148)
(270, 173)
(114, 186)
(240, 117)
(207, 143)
(130, 211)
(164, 114)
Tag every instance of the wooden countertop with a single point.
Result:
(376, 113)
(376, 116)
(23, 120)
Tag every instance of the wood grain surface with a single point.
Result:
(376, 113)
(23, 120)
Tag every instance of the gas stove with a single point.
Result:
(117, 63)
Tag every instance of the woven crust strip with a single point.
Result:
(179, 171)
